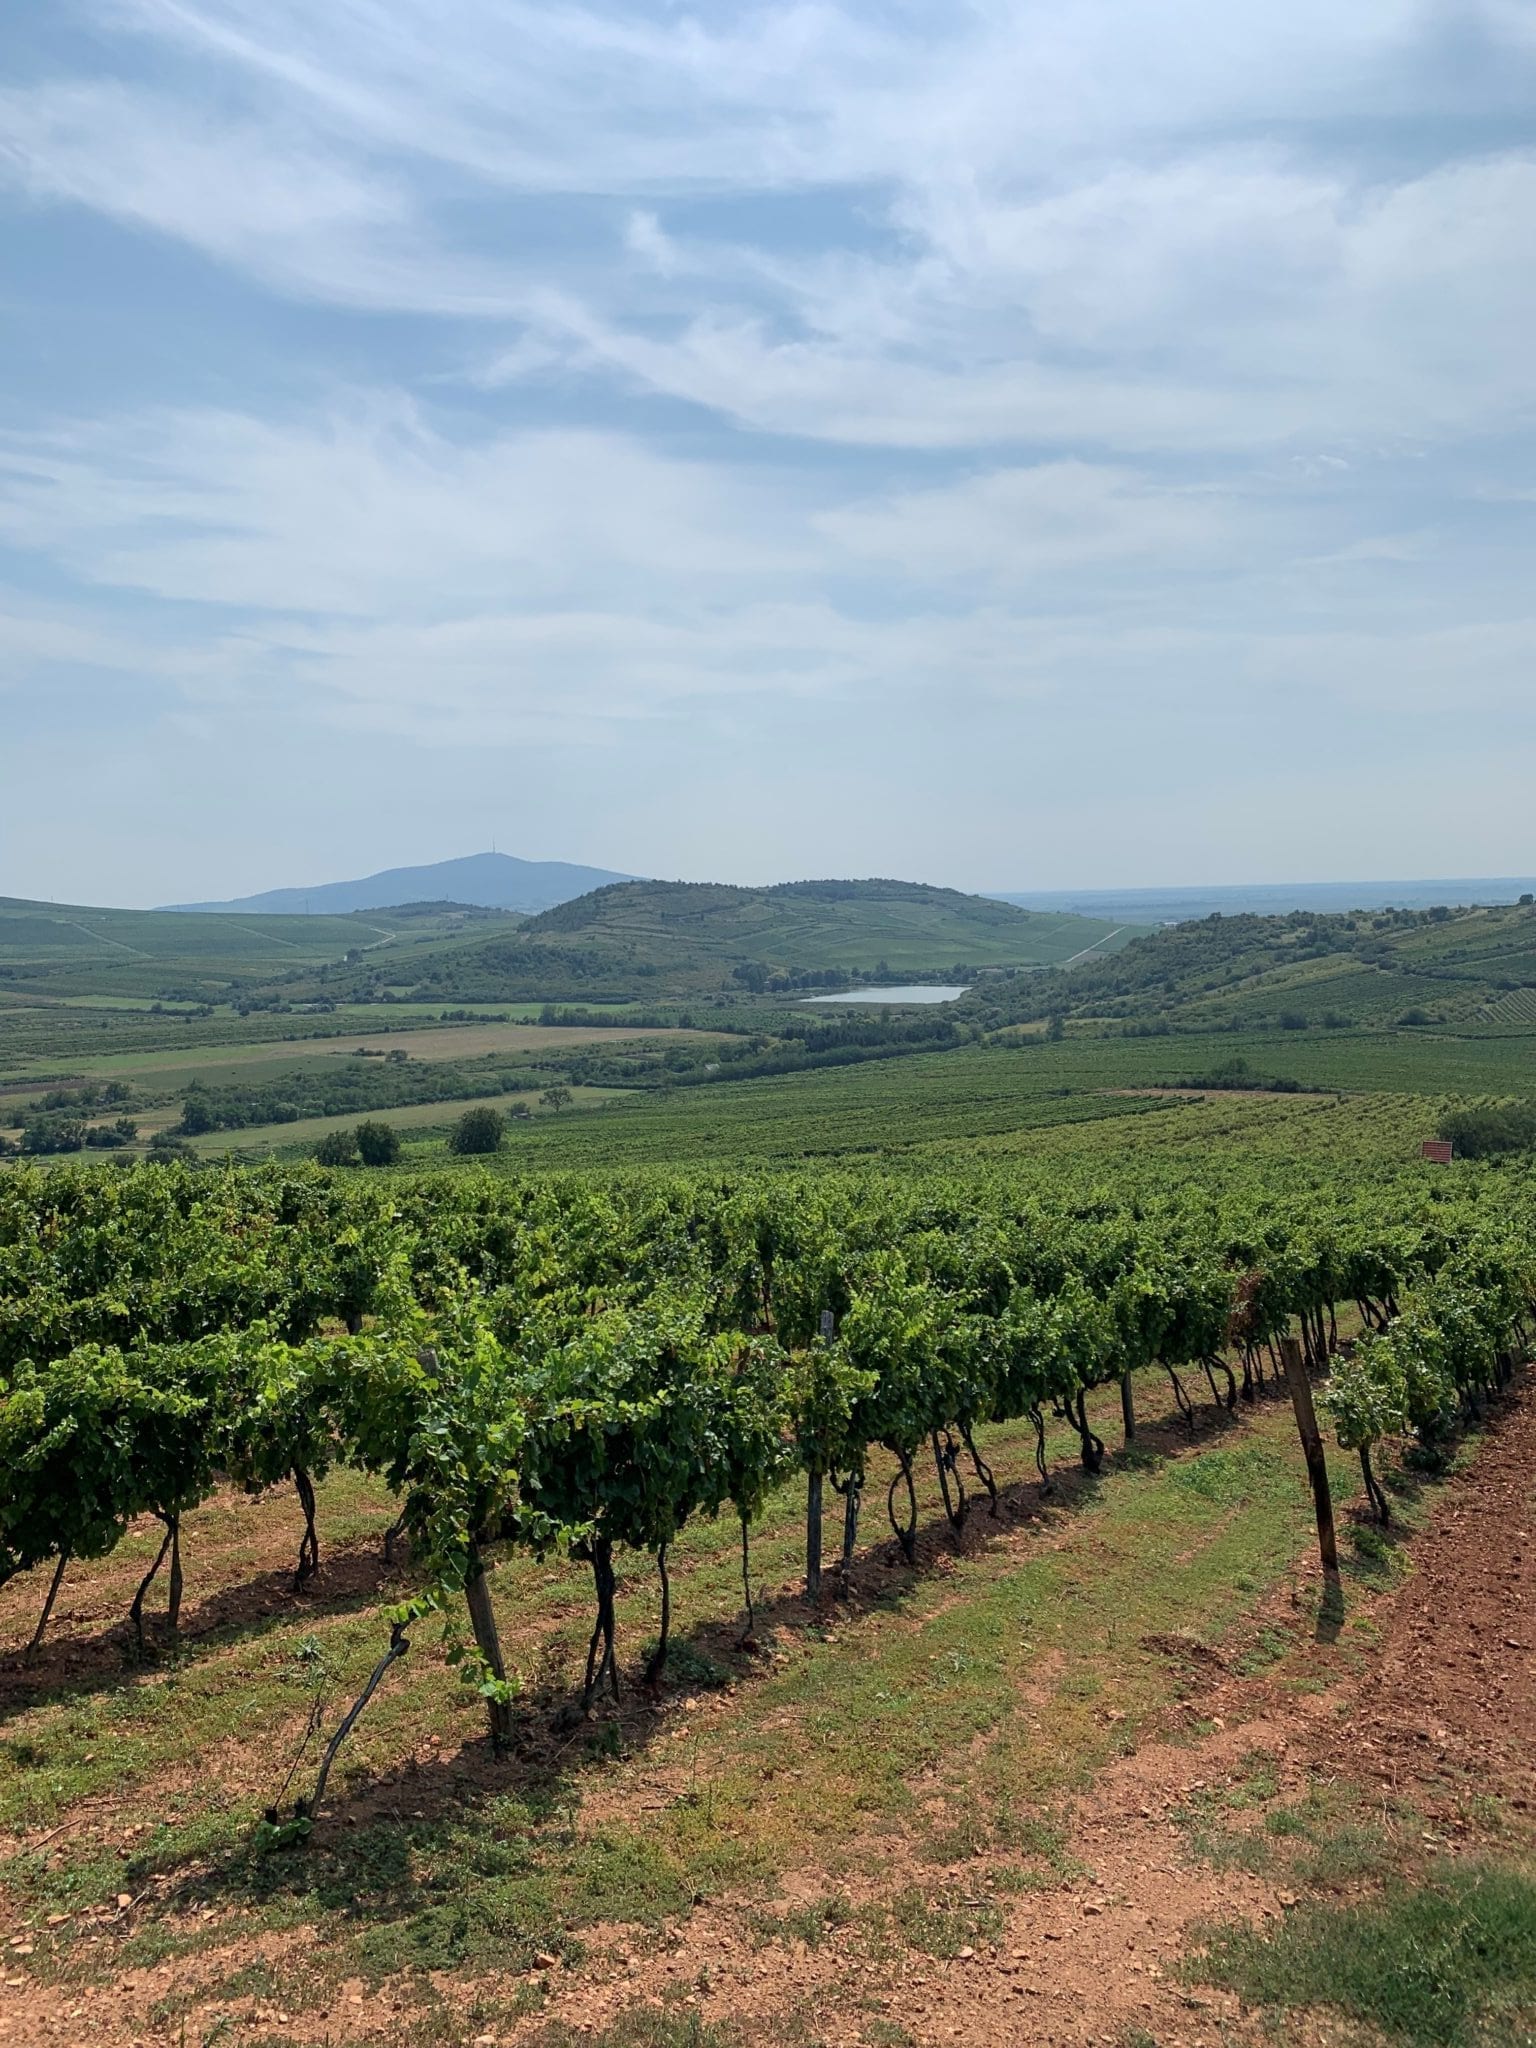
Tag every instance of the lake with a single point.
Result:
(919, 992)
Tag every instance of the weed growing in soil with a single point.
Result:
(1449, 1963)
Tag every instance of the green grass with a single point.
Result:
(1446, 1962)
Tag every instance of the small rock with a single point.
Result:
(544, 1960)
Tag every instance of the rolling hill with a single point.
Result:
(62, 950)
(653, 939)
(1468, 971)
(488, 881)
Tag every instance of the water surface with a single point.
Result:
(916, 992)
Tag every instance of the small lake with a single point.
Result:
(918, 992)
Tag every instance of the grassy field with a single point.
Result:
(423, 1126)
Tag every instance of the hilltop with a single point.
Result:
(485, 881)
(690, 938)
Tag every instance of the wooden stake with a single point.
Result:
(1312, 1449)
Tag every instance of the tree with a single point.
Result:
(378, 1143)
(478, 1131)
(53, 1134)
(337, 1148)
(197, 1115)
(556, 1098)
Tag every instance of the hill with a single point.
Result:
(690, 938)
(486, 881)
(1468, 971)
(70, 950)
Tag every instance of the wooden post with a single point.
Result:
(813, 1497)
(1127, 1406)
(1312, 1448)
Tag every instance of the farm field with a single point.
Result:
(413, 1122)
(176, 1066)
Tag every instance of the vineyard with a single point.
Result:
(574, 1372)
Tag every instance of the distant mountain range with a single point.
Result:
(490, 881)
(1263, 899)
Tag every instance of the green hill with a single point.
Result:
(653, 939)
(64, 949)
(1468, 971)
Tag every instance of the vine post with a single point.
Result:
(1312, 1449)
(813, 1489)
(813, 1536)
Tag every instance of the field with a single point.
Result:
(1115, 1766)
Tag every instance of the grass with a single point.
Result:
(1445, 1962)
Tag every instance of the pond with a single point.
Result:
(917, 992)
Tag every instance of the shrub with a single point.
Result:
(378, 1144)
(478, 1130)
(337, 1148)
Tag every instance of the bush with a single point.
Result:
(378, 1144)
(478, 1130)
(1484, 1129)
(337, 1148)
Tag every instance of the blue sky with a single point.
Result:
(1012, 445)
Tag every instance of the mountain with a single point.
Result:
(654, 939)
(489, 881)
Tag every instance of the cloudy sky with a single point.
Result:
(1012, 443)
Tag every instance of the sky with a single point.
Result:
(1022, 444)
